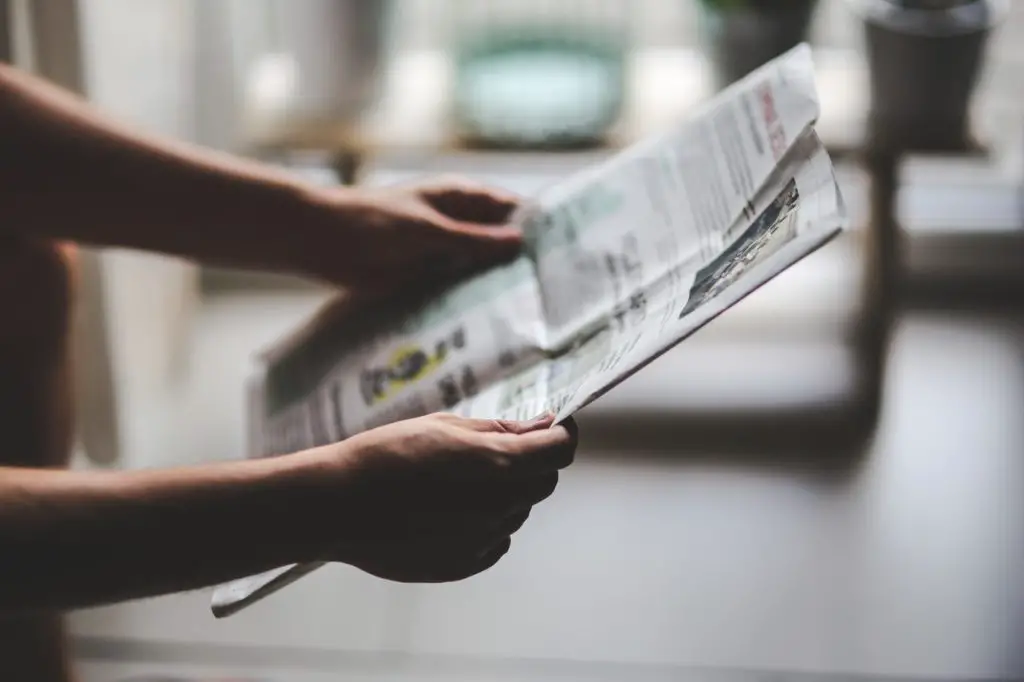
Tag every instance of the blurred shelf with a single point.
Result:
(664, 84)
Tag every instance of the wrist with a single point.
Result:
(285, 507)
(282, 225)
(326, 241)
(310, 493)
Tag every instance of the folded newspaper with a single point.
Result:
(622, 262)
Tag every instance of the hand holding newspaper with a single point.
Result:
(622, 262)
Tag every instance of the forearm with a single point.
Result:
(74, 539)
(66, 172)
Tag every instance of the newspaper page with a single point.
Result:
(622, 262)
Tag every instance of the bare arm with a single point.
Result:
(433, 499)
(66, 172)
(72, 539)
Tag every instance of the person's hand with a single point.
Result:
(384, 239)
(436, 499)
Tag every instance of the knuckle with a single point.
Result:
(547, 486)
(564, 451)
(551, 482)
(569, 454)
(503, 549)
(565, 435)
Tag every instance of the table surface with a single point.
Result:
(651, 565)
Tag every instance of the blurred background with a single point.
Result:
(827, 482)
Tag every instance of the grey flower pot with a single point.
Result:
(738, 40)
(925, 63)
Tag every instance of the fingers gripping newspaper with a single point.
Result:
(622, 262)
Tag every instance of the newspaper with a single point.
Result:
(621, 263)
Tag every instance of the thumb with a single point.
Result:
(544, 421)
(535, 446)
(467, 247)
(497, 236)
(539, 423)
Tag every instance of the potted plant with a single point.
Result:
(741, 35)
(924, 59)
